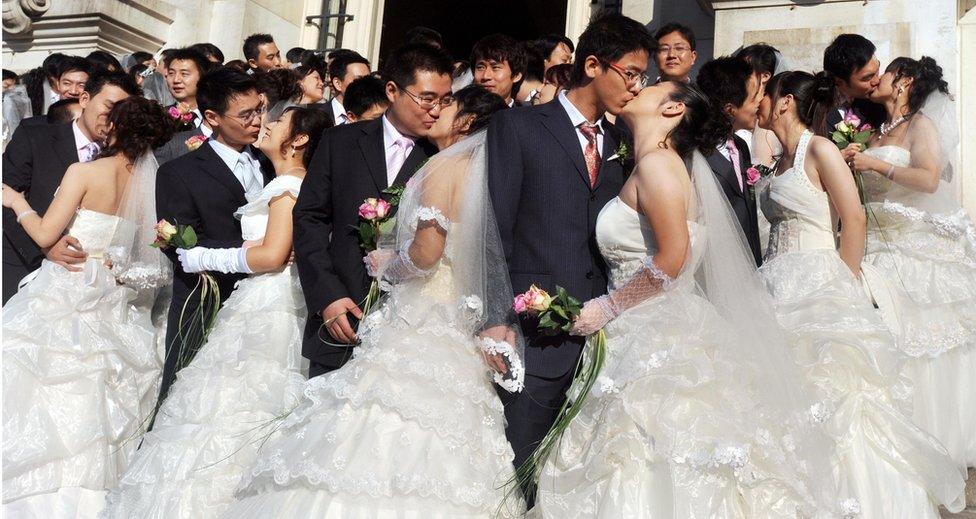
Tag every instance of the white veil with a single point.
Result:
(727, 275)
(134, 261)
(450, 192)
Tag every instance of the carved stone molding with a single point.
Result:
(19, 15)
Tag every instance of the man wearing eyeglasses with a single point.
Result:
(675, 52)
(353, 162)
(203, 189)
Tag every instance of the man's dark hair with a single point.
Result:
(535, 65)
(164, 57)
(846, 54)
(53, 63)
(499, 47)
(295, 55)
(761, 57)
(724, 80)
(217, 87)
(684, 30)
(424, 35)
(103, 60)
(237, 64)
(209, 51)
(339, 64)
(190, 54)
(99, 79)
(140, 56)
(607, 39)
(33, 81)
(60, 111)
(549, 42)
(75, 64)
(364, 93)
(10, 74)
(252, 42)
(403, 63)
(278, 84)
(338, 52)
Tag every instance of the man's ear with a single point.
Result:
(84, 99)
(729, 108)
(591, 65)
(392, 91)
(252, 62)
(211, 117)
(517, 77)
(351, 116)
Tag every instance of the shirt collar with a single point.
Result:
(390, 133)
(80, 139)
(338, 111)
(575, 116)
(229, 155)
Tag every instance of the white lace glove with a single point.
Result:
(597, 312)
(377, 261)
(227, 261)
(400, 269)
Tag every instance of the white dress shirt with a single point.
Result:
(390, 138)
(339, 112)
(577, 118)
(249, 175)
(81, 141)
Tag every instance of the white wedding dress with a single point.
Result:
(671, 428)
(894, 469)
(81, 369)
(229, 400)
(928, 264)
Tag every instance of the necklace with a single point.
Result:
(886, 127)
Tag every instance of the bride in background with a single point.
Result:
(922, 245)
(80, 361)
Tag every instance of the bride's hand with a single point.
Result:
(377, 260)
(862, 162)
(10, 196)
(592, 318)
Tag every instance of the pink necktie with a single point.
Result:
(402, 147)
(734, 157)
(591, 155)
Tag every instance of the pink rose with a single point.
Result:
(194, 142)
(752, 176)
(538, 300)
(173, 112)
(866, 127)
(188, 116)
(519, 304)
(367, 211)
(852, 119)
(382, 208)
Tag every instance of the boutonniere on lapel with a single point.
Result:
(195, 142)
(181, 113)
(623, 151)
(754, 174)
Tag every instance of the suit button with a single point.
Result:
(592, 197)
(589, 275)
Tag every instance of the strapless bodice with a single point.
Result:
(877, 188)
(94, 230)
(625, 238)
(798, 211)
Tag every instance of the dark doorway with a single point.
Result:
(463, 22)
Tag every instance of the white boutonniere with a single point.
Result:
(621, 154)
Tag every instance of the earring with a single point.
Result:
(293, 150)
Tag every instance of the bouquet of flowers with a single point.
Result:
(377, 220)
(851, 131)
(556, 315)
(183, 116)
(205, 316)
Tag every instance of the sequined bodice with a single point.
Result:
(94, 230)
(625, 238)
(798, 211)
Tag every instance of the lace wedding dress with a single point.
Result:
(928, 262)
(673, 428)
(229, 400)
(893, 468)
(81, 368)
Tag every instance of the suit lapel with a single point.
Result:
(374, 154)
(216, 168)
(65, 147)
(556, 120)
(723, 170)
(610, 140)
(420, 152)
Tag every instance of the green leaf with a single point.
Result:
(559, 310)
(863, 137)
(387, 226)
(189, 237)
(839, 137)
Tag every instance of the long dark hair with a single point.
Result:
(926, 77)
(138, 126)
(703, 125)
(812, 94)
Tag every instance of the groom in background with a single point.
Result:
(354, 162)
(549, 175)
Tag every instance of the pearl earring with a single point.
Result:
(293, 150)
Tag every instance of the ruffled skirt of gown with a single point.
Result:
(893, 468)
(928, 266)
(81, 365)
(669, 430)
(222, 408)
(411, 427)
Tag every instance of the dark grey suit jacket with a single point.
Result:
(743, 202)
(176, 147)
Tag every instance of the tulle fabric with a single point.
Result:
(229, 401)
(80, 371)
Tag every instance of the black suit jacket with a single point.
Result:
(546, 213)
(868, 111)
(34, 162)
(349, 165)
(743, 202)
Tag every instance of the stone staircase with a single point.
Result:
(970, 511)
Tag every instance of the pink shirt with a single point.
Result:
(81, 141)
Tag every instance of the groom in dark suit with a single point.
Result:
(354, 162)
(734, 89)
(851, 61)
(205, 187)
(551, 169)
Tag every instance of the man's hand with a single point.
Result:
(67, 252)
(336, 321)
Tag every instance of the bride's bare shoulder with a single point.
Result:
(660, 165)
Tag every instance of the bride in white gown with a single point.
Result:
(80, 359)
(923, 246)
(224, 404)
(412, 426)
(894, 469)
(699, 411)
